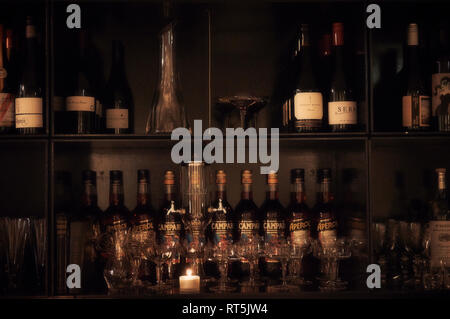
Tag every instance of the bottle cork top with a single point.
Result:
(441, 170)
(297, 175)
(221, 177)
(338, 33)
(413, 34)
(246, 176)
(169, 178)
(272, 178)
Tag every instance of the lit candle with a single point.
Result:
(189, 283)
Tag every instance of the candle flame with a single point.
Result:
(189, 272)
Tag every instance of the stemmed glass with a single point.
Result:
(16, 233)
(298, 251)
(137, 244)
(40, 248)
(251, 251)
(221, 253)
(116, 272)
(282, 252)
(330, 251)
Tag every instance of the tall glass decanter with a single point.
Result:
(168, 110)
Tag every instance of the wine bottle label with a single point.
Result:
(248, 229)
(3, 73)
(29, 112)
(117, 118)
(308, 106)
(440, 94)
(6, 110)
(222, 231)
(274, 230)
(416, 111)
(299, 229)
(440, 242)
(169, 232)
(327, 230)
(80, 103)
(342, 112)
(58, 103)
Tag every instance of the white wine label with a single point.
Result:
(28, 105)
(3, 73)
(407, 111)
(117, 118)
(98, 108)
(308, 106)
(424, 111)
(416, 111)
(29, 120)
(440, 94)
(6, 110)
(80, 103)
(342, 112)
(440, 242)
(58, 103)
(29, 112)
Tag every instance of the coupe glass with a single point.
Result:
(40, 249)
(331, 252)
(281, 252)
(222, 254)
(117, 269)
(251, 251)
(298, 251)
(16, 234)
(247, 105)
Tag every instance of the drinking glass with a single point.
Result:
(222, 253)
(298, 251)
(117, 268)
(331, 252)
(16, 234)
(280, 251)
(251, 251)
(40, 249)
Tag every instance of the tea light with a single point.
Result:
(189, 283)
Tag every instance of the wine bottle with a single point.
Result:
(440, 222)
(6, 91)
(220, 230)
(440, 82)
(171, 230)
(273, 225)
(245, 223)
(117, 216)
(416, 102)
(325, 70)
(327, 225)
(143, 222)
(29, 102)
(63, 204)
(298, 211)
(308, 100)
(80, 105)
(342, 107)
(84, 228)
(118, 98)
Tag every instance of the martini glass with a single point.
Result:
(247, 105)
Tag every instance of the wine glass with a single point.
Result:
(16, 234)
(40, 248)
(250, 251)
(247, 105)
(117, 268)
(222, 253)
(298, 251)
(331, 251)
(281, 252)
